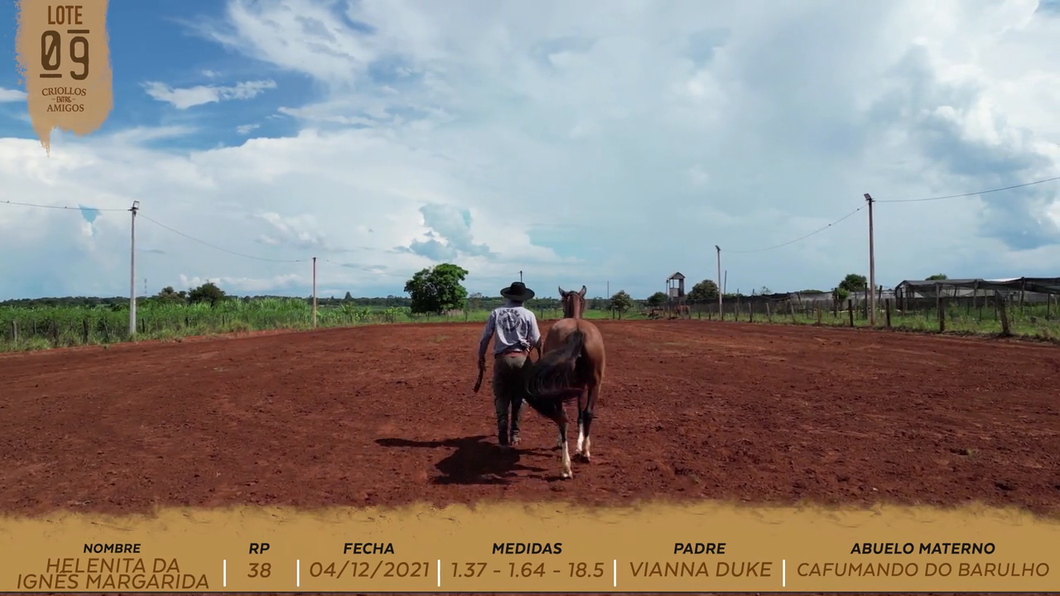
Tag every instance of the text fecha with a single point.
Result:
(368, 548)
(926, 548)
(527, 548)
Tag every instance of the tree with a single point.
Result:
(703, 291)
(621, 302)
(207, 292)
(348, 297)
(170, 296)
(657, 299)
(437, 289)
(474, 301)
(764, 291)
(937, 277)
(854, 283)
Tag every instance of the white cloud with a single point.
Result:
(245, 285)
(698, 175)
(183, 99)
(581, 143)
(9, 95)
(246, 129)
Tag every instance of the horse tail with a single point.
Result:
(555, 376)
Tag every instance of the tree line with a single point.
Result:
(432, 290)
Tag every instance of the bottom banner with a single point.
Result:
(543, 547)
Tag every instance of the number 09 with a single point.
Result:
(51, 41)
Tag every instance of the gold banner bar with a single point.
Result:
(535, 547)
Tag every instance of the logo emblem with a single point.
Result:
(64, 57)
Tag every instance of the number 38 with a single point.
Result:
(50, 44)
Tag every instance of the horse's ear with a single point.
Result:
(561, 292)
(584, 290)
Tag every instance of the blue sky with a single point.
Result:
(594, 143)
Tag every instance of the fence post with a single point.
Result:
(750, 312)
(14, 331)
(791, 309)
(1002, 314)
(940, 308)
(850, 310)
(819, 312)
(887, 306)
(769, 313)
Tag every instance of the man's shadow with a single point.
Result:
(474, 461)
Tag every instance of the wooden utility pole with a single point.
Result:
(872, 268)
(718, 248)
(132, 269)
(314, 292)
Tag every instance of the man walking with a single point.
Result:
(514, 331)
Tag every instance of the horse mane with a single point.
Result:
(556, 375)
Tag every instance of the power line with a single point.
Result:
(768, 248)
(968, 194)
(214, 246)
(59, 206)
(799, 239)
(937, 198)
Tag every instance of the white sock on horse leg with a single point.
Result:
(567, 473)
(581, 437)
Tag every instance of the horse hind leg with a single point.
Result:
(583, 399)
(565, 472)
(585, 422)
(587, 417)
(581, 432)
(561, 436)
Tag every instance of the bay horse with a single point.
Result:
(577, 363)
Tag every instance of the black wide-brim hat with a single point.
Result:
(517, 292)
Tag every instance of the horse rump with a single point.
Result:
(557, 377)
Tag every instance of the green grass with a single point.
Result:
(1030, 321)
(38, 328)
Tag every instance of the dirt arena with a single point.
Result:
(689, 410)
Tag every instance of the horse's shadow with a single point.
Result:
(474, 461)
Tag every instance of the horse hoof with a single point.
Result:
(566, 475)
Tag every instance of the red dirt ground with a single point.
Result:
(689, 410)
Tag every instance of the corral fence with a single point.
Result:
(1021, 305)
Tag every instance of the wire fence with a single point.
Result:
(1003, 310)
